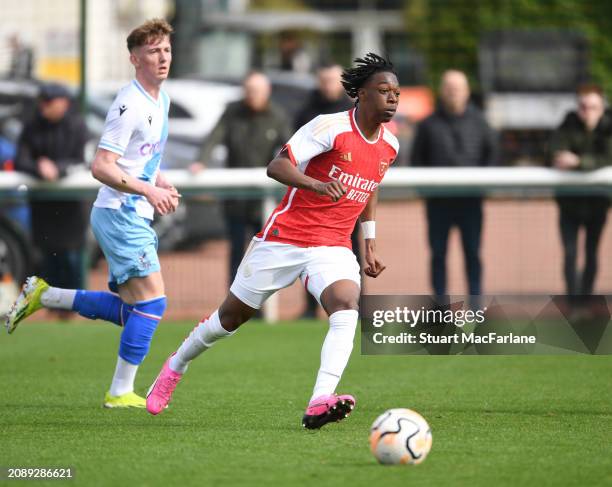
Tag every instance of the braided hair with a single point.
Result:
(369, 65)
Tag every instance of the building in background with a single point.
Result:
(51, 30)
(226, 38)
(214, 38)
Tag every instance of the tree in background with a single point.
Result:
(448, 31)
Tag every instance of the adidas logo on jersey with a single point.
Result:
(346, 157)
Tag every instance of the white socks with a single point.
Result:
(56, 298)
(336, 351)
(123, 380)
(199, 340)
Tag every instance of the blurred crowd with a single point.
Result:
(456, 134)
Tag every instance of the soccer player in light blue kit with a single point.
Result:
(127, 163)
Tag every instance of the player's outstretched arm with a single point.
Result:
(105, 169)
(284, 171)
(374, 265)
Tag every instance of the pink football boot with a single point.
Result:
(160, 392)
(325, 409)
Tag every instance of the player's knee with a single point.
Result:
(139, 329)
(152, 308)
(343, 303)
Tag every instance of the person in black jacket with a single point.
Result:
(455, 135)
(583, 142)
(329, 97)
(49, 145)
(253, 130)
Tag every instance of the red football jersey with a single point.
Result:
(327, 148)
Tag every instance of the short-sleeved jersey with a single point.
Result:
(136, 128)
(330, 147)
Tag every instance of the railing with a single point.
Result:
(425, 181)
(398, 183)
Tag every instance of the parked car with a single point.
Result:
(15, 261)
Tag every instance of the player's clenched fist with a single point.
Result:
(334, 189)
(374, 266)
(164, 200)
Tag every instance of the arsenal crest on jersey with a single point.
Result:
(382, 168)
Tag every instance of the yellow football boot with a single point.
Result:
(27, 303)
(128, 400)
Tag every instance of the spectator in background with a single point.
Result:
(293, 56)
(22, 59)
(49, 145)
(583, 142)
(329, 97)
(455, 135)
(253, 130)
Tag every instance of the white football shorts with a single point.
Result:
(269, 266)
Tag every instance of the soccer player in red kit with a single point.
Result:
(332, 167)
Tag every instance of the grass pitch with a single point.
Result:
(235, 418)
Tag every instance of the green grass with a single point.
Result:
(235, 419)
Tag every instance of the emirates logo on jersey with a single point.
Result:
(383, 166)
(360, 187)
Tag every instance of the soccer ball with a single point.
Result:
(400, 436)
